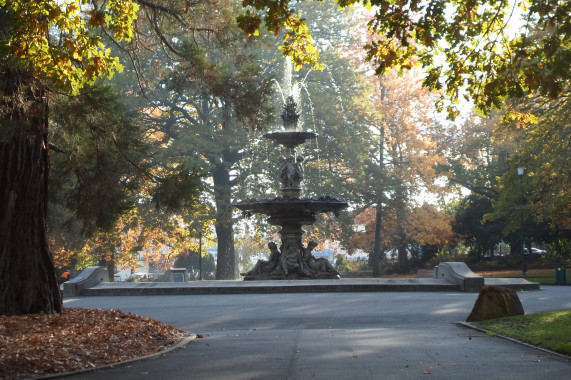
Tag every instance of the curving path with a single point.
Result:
(388, 335)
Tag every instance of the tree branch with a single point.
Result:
(485, 191)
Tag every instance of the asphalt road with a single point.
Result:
(387, 335)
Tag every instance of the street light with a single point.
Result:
(199, 230)
(520, 175)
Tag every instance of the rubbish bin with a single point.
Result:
(560, 276)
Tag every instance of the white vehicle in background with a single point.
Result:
(139, 277)
(534, 251)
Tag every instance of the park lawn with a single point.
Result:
(550, 330)
(542, 276)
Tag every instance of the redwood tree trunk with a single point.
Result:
(28, 281)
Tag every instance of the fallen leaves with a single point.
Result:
(40, 344)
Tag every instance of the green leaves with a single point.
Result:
(179, 190)
(543, 132)
(298, 44)
(465, 46)
(297, 40)
(62, 39)
(98, 157)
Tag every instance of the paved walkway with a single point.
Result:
(337, 335)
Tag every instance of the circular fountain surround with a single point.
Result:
(292, 260)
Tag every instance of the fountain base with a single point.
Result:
(292, 260)
(279, 277)
(291, 263)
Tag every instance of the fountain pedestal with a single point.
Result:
(292, 260)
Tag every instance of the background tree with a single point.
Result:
(250, 244)
(206, 107)
(191, 261)
(482, 156)
(403, 159)
(480, 235)
(423, 229)
(475, 155)
(97, 152)
(432, 230)
(475, 158)
(543, 148)
(101, 172)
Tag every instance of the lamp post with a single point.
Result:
(199, 230)
(520, 175)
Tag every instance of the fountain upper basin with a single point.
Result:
(290, 139)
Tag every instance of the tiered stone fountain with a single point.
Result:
(292, 260)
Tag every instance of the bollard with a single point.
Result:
(560, 276)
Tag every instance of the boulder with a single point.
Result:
(495, 302)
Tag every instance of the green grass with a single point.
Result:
(551, 330)
(541, 280)
(542, 276)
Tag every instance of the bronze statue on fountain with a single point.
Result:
(292, 260)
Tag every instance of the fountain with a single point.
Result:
(292, 260)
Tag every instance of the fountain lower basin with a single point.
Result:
(286, 211)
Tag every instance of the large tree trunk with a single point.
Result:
(226, 262)
(402, 238)
(375, 258)
(378, 249)
(28, 281)
(403, 258)
(109, 263)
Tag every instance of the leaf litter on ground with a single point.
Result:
(41, 344)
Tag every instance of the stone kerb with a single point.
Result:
(88, 278)
(459, 274)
